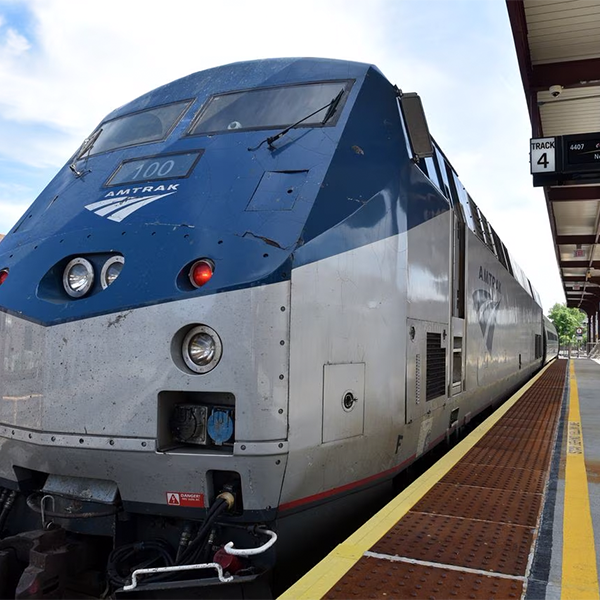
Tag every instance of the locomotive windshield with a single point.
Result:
(138, 128)
(269, 108)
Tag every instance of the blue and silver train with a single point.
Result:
(252, 296)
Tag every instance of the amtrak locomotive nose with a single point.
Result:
(250, 297)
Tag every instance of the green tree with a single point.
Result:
(566, 320)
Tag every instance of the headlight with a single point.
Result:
(202, 349)
(111, 270)
(201, 272)
(78, 277)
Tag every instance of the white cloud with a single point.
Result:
(11, 210)
(87, 62)
(14, 44)
(14, 200)
(37, 148)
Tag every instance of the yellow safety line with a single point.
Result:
(323, 576)
(579, 573)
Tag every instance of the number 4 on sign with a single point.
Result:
(543, 155)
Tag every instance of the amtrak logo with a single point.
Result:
(486, 309)
(117, 206)
(486, 305)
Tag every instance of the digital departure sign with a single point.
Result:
(583, 151)
(565, 160)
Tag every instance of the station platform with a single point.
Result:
(512, 511)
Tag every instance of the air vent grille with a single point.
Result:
(436, 367)
(418, 379)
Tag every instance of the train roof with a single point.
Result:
(246, 75)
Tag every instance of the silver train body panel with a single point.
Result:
(551, 340)
(358, 342)
(82, 398)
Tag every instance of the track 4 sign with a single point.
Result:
(543, 155)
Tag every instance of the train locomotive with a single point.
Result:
(251, 296)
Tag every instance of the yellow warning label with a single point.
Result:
(574, 440)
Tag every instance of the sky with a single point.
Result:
(64, 65)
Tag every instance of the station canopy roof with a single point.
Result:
(558, 44)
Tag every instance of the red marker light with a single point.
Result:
(3, 275)
(201, 272)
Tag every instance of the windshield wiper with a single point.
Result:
(87, 145)
(331, 108)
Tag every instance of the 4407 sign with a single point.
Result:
(565, 159)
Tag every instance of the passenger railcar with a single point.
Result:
(551, 340)
(251, 296)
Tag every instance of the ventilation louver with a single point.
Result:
(436, 367)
